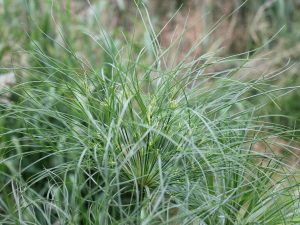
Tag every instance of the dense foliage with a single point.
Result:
(110, 130)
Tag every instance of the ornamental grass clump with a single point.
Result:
(138, 141)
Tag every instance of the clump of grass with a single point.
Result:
(138, 141)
